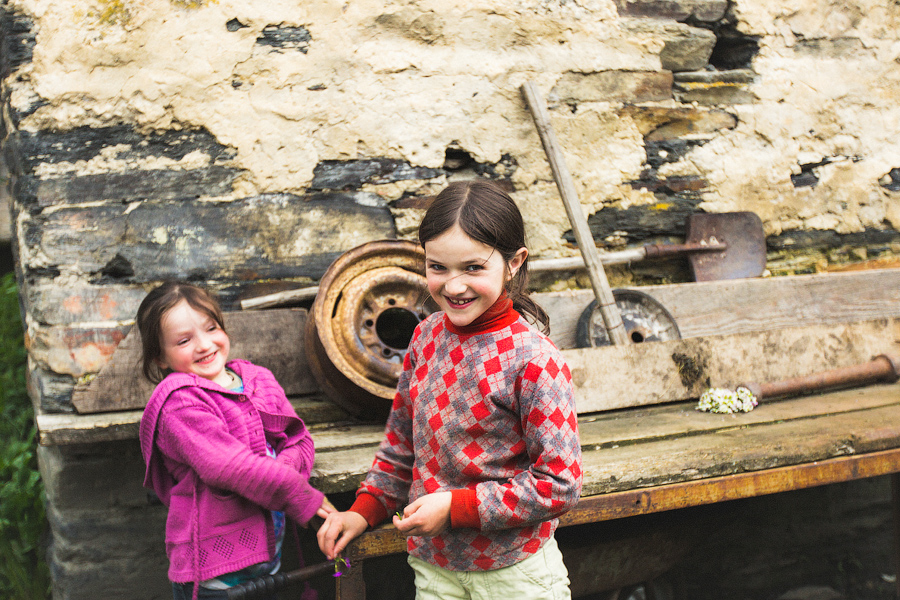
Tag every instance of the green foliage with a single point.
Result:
(23, 571)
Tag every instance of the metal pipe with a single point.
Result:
(883, 368)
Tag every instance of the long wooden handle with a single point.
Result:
(605, 300)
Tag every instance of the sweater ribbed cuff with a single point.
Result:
(464, 509)
(370, 508)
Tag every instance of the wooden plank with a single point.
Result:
(386, 540)
(661, 444)
(62, 429)
(733, 487)
(740, 449)
(744, 305)
(273, 339)
(634, 426)
(615, 377)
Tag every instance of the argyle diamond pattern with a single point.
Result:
(470, 412)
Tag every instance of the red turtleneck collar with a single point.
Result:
(501, 314)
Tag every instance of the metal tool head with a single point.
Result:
(742, 232)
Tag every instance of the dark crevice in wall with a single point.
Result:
(118, 269)
(234, 25)
(660, 153)
(733, 49)
(891, 181)
(456, 159)
(807, 176)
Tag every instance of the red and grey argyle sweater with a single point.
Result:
(487, 412)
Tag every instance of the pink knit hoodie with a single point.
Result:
(205, 451)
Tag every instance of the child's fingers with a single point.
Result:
(327, 535)
(342, 543)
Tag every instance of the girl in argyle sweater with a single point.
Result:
(481, 450)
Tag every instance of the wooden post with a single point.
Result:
(351, 585)
(895, 504)
(605, 300)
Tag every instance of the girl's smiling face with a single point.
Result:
(193, 342)
(465, 277)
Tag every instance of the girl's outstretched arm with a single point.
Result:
(338, 530)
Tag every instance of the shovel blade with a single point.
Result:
(745, 255)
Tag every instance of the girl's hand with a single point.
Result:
(338, 530)
(326, 509)
(428, 516)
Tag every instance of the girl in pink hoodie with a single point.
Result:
(224, 449)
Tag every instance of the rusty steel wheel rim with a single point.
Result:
(368, 304)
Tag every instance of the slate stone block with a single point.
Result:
(352, 174)
(128, 186)
(51, 392)
(715, 87)
(89, 477)
(51, 303)
(686, 49)
(642, 223)
(679, 10)
(821, 239)
(280, 37)
(614, 86)
(17, 40)
(271, 236)
(658, 123)
(112, 147)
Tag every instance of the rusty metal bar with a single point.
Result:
(883, 368)
(269, 584)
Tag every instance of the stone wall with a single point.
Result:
(245, 145)
(232, 143)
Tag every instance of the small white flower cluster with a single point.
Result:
(719, 400)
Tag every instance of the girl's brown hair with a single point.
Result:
(488, 215)
(150, 315)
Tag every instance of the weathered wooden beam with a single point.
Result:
(615, 377)
(386, 540)
(745, 305)
(273, 339)
(63, 429)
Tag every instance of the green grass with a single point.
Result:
(23, 571)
